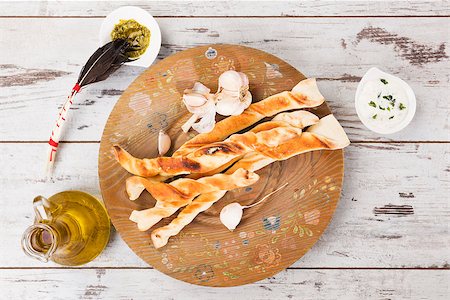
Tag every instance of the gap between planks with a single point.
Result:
(233, 17)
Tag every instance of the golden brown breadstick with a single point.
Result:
(209, 157)
(326, 134)
(299, 119)
(305, 94)
(171, 196)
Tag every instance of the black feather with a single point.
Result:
(105, 61)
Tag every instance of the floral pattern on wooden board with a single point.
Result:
(272, 235)
(284, 233)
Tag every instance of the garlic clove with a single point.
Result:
(227, 104)
(231, 215)
(206, 123)
(230, 80)
(198, 88)
(230, 105)
(201, 88)
(202, 110)
(247, 100)
(239, 110)
(244, 79)
(243, 104)
(194, 99)
(164, 143)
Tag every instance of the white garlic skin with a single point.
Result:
(232, 96)
(200, 88)
(230, 80)
(244, 79)
(207, 122)
(245, 102)
(194, 100)
(231, 215)
(164, 143)
(201, 104)
(227, 104)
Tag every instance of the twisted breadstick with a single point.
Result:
(299, 119)
(304, 94)
(149, 217)
(135, 187)
(160, 236)
(209, 157)
(170, 197)
(326, 134)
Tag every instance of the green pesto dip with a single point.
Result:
(135, 34)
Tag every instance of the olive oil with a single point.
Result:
(71, 228)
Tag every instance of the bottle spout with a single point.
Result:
(40, 241)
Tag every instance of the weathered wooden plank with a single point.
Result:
(35, 79)
(290, 284)
(361, 233)
(232, 8)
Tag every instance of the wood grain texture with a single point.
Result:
(290, 284)
(337, 51)
(232, 8)
(376, 175)
(270, 237)
(39, 79)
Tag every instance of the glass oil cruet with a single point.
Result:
(70, 228)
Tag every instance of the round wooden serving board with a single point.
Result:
(272, 235)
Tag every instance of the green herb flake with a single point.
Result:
(384, 81)
(373, 104)
(391, 117)
(392, 103)
(379, 94)
(382, 108)
(388, 97)
(374, 116)
(388, 108)
(402, 106)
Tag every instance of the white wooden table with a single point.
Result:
(367, 251)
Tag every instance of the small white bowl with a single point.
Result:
(376, 74)
(142, 17)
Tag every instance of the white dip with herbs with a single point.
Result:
(383, 102)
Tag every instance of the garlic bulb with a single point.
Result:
(232, 96)
(231, 214)
(164, 143)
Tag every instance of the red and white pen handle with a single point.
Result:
(57, 130)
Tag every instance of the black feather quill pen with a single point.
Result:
(102, 63)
